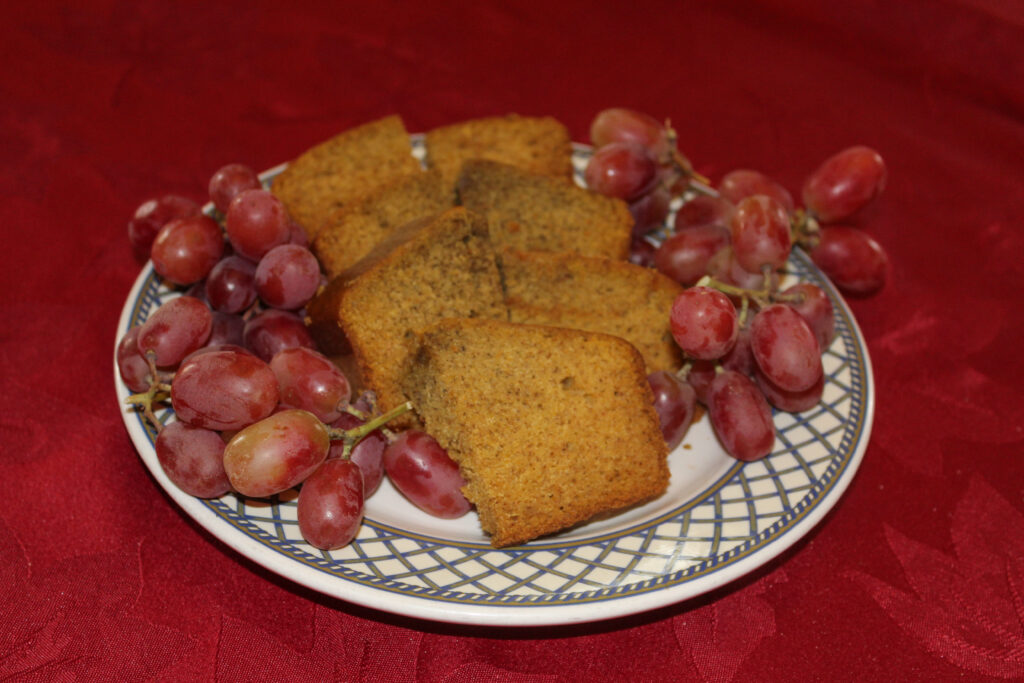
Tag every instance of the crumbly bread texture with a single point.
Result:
(537, 144)
(529, 211)
(596, 294)
(549, 426)
(434, 268)
(352, 231)
(342, 169)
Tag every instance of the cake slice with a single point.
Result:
(537, 144)
(351, 232)
(596, 294)
(529, 211)
(436, 267)
(338, 171)
(549, 426)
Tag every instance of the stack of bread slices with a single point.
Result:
(493, 293)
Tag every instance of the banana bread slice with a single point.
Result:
(434, 268)
(596, 294)
(335, 172)
(533, 212)
(549, 426)
(351, 232)
(537, 144)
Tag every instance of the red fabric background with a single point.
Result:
(917, 574)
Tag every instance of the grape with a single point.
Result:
(223, 390)
(684, 256)
(740, 416)
(276, 453)
(626, 125)
(420, 468)
(744, 183)
(131, 364)
(229, 181)
(790, 401)
(306, 379)
(621, 169)
(704, 210)
(330, 506)
(272, 331)
(186, 249)
(368, 453)
(856, 263)
(674, 402)
(297, 235)
(844, 184)
(724, 268)
(152, 215)
(815, 307)
(193, 458)
(175, 330)
(641, 253)
(227, 328)
(650, 210)
(740, 357)
(231, 285)
(287, 277)
(703, 322)
(699, 376)
(760, 233)
(256, 222)
(785, 348)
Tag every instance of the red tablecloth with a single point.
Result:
(917, 574)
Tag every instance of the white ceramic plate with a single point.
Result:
(719, 520)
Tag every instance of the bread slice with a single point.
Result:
(596, 294)
(529, 211)
(549, 426)
(350, 165)
(433, 268)
(537, 144)
(352, 231)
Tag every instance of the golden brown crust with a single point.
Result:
(537, 144)
(532, 212)
(348, 166)
(549, 426)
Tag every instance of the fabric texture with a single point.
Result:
(917, 574)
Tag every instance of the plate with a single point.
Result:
(719, 520)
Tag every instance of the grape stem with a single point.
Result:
(157, 392)
(805, 229)
(352, 437)
(761, 297)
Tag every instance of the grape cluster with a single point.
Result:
(749, 345)
(259, 409)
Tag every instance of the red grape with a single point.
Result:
(276, 453)
(740, 416)
(684, 256)
(621, 169)
(700, 376)
(618, 124)
(744, 183)
(229, 181)
(641, 253)
(420, 468)
(785, 348)
(368, 453)
(330, 506)
(186, 249)
(287, 277)
(152, 215)
(306, 379)
(724, 268)
(273, 330)
(815, 307)
(790, 401)
(844, 184)
(231, 285)
(704, 210)
(193, 458)
(650, 210)
(740, 357)
(703, 322)
(223, 390)
(856, 263)
(227, 329)
(175, 330)
(256, 222)
(297, 235)
(760, 233)
(674, 402)
(131, 364)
